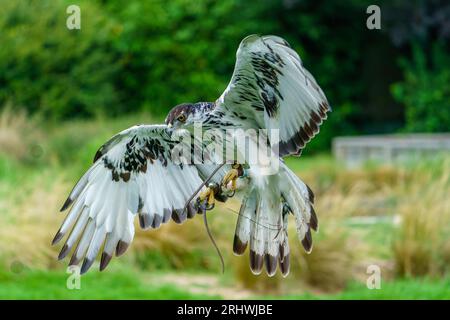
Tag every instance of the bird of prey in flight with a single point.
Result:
(135, 174)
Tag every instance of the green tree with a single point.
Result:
(425, 91)
(48, 69)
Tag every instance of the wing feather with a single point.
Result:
(271, 89)
(132, 175)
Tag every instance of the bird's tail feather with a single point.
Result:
(263, 223)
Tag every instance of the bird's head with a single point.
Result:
(183, 116)
(180, 116)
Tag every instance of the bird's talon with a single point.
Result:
(204, 194)
(206, 198)
(231, 176)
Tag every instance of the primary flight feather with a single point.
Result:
(137, 173)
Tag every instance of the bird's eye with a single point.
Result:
(181, 118)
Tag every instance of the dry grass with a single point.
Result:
(333, 262)
(181, 247)
(26, 228)
(19, 135)
(422, 244)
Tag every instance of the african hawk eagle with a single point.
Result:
(135, 175)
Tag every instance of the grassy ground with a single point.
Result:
(112, 285)
(119, 284)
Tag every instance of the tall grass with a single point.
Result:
(26, 226)
(422, 244)
(19, 135)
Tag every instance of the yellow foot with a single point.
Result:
(231, 176)
(208, 195)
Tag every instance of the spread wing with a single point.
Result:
(271, 89)
(133, 174)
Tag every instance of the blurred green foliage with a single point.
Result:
(151, 55)
(49, 69)
(425, 92)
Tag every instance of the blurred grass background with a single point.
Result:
(63, 93)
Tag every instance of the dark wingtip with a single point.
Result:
(66, 204)
(307, 241)
(271, 264)
(179, 215)
(239, 246)
(145, 221)
(74, 261)
(191, 211)
(87, 263)
(122, 246)
(98, 154)
(57, 238)
(256, 262)
(64, 251)
(175, 217)
(310, 194)
(313, 222)
(157, 219)
(285, 265)
(142, 221)
(104, 261)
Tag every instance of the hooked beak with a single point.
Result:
(169, 126)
